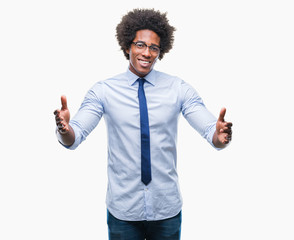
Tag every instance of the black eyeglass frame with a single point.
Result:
(153, 47)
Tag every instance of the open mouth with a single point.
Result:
(144, 63)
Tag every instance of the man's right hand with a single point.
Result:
(62, 117)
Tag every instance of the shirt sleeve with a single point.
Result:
(195, 112)
(88, 116)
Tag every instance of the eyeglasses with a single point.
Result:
(142, 47)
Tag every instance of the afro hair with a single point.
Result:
(139, 19)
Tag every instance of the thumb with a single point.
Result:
(63, 102)
(222, 115)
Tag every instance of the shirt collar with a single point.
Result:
(150, 77)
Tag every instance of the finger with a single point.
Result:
(62, 126)
(222, 115)
(226, 130)
(229, 124)
(223, 126)
(59, 120)
(228, 138)
(63, 129)
(57, 116)
(63, 102)
(56, 112)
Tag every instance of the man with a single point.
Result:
(141, 109)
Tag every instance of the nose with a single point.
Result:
(146, 52)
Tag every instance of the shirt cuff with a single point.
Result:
(71, 147)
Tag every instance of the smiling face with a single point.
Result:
(142, 61)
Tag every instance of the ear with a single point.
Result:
(127, 51)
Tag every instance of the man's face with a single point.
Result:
(143, 60)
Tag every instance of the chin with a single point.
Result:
(142, 72)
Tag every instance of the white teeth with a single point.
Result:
(144, 61)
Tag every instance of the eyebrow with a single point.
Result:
(152, 44)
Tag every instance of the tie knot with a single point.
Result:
(141, 81)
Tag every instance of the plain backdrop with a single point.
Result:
(236, 54)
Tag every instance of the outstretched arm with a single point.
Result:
(65, 132)
(223, 133)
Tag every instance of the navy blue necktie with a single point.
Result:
(145, 137)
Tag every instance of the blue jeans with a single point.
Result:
(168, 229)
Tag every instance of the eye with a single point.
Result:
(154, 49)
(140, 45)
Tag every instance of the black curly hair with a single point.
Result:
(139, 19)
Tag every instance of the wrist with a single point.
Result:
(216, 142)
(66, 138)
